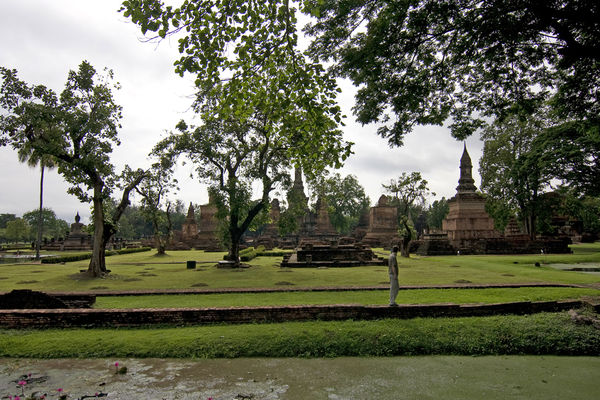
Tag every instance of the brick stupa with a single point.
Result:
(467, 219)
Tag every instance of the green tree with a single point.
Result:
(263, 106)
(51, 225)
(426, 61)
(17, 230)
(32, 158)
(589, 212)
(568, 203)
(407, 190)
(179, 214)
(571, 151)
(512, 169)
(437, 212)
(346, 200)
(500, 210)
(77, 130)
(154, 191)
(4, 218)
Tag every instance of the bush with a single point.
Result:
(66, 258)
(271, 253)
(86, 256)
(248, 254)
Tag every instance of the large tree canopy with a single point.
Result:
(425, 61)
(264, 107)
(571, 152)
(527, 155)
(345, 198)
(53, 227)
(244, 53)
(77, 131)
(514, 171)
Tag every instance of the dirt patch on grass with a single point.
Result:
(82, 276)
(285, 283)
(144, 273)
(99, 287)
(132, 280)
(462, 281)
(199, 284)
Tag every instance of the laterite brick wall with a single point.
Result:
(199, 316)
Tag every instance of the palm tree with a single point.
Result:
(33, 158)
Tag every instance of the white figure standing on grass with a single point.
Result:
(393, 271)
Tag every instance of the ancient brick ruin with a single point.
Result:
(315, 255)
(202, 236)
(468, 228)
(382, 229)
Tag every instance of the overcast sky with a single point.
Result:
(44, 39)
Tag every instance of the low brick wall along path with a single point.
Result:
(92, 318)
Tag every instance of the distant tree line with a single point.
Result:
(24, 229)
(132, 225)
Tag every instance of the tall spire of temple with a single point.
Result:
(296, 194)
(466, 183)
(190, 212)
(298, 184)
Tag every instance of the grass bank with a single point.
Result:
(545, 333)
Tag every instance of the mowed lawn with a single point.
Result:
(146, 271)
(371, 297)
(545, 333)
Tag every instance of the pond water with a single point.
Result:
(19, 258)
(588, 268)
(432, 377)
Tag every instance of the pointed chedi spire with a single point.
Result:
(190, 213)
(466, 183)
(298, 184)
(297, 191)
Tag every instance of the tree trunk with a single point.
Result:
(159, 240)
(161, 245)
(97, 265)
(234, 247)
(404, 246)
(40, 222)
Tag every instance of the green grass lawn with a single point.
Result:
(146, 271)
(419, 296)
(545, 333)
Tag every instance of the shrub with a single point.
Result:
(271, 253)
(248, 254)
